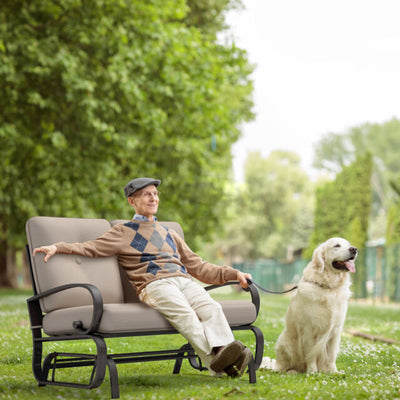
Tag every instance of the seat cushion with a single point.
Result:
(135, 318)
(117, 318)
(239, 312)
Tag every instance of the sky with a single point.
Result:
(322, 66)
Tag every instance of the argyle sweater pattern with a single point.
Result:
(148, 251)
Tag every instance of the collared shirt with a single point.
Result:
(138, 217)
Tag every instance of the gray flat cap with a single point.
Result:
(139, 183)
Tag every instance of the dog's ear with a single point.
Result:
(319, 257)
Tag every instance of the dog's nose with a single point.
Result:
(353, 250)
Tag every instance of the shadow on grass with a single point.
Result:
(133, 384)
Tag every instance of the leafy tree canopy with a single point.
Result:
(393, 223)
(334, 151)
(97, 92)
(272, 211)
(343, 205)
(343, 209)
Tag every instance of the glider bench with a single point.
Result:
(80, 298)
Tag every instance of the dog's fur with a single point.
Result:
(314, 320)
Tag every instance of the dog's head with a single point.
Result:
(337, 253)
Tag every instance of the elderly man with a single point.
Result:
(159, 264)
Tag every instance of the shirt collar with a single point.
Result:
(138, 217)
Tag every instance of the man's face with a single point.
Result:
(145, 201)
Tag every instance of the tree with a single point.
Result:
(334, 151)
(98, 92)
(393, 243)
(208, 15)
(268, 213)
(342, 209)
(393, 223)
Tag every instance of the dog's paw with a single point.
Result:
(332, 370)
(312, 369)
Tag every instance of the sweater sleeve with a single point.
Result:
(203, 270)
(105, 245)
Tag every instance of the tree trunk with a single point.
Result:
(26, 271)
(7, 266)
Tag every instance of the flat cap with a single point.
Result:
(139, 183)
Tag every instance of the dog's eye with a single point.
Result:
(337, 245)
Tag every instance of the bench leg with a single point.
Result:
(186, 348)
(177, 365)
(252, 371)
(259, 346)
(112, 369)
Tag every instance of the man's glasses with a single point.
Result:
(148, 195)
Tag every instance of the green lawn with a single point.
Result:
(368, 369)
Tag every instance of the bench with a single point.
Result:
(81, 298)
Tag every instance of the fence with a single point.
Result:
(382, 265)
(377, 276)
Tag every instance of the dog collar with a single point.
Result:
(321, 285)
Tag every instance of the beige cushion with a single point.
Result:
(135, 318)
(239, 312)
(116, 318)
(62, 269)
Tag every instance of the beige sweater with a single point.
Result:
(149, 251)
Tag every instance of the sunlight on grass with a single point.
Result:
(368, 370)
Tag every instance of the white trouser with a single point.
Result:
(192, 312)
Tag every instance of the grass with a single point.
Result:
(368, 370)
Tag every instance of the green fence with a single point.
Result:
(382, 265)
(377, 276)
(272, 274)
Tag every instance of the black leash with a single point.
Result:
(270, 291)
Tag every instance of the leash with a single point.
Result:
(250, 281)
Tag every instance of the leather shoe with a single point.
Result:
(227, 356)
(237, 369)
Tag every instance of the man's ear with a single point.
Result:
(131, 201)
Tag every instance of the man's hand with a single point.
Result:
(242, 278)
(48, 250)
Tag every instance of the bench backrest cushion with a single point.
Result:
(63, 269)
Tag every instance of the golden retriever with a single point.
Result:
(315, 317)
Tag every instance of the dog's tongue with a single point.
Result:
(350, 266)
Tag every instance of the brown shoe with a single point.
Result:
(237, 369)
(227, 356)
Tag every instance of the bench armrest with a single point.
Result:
(97, 304)
(255, 296)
